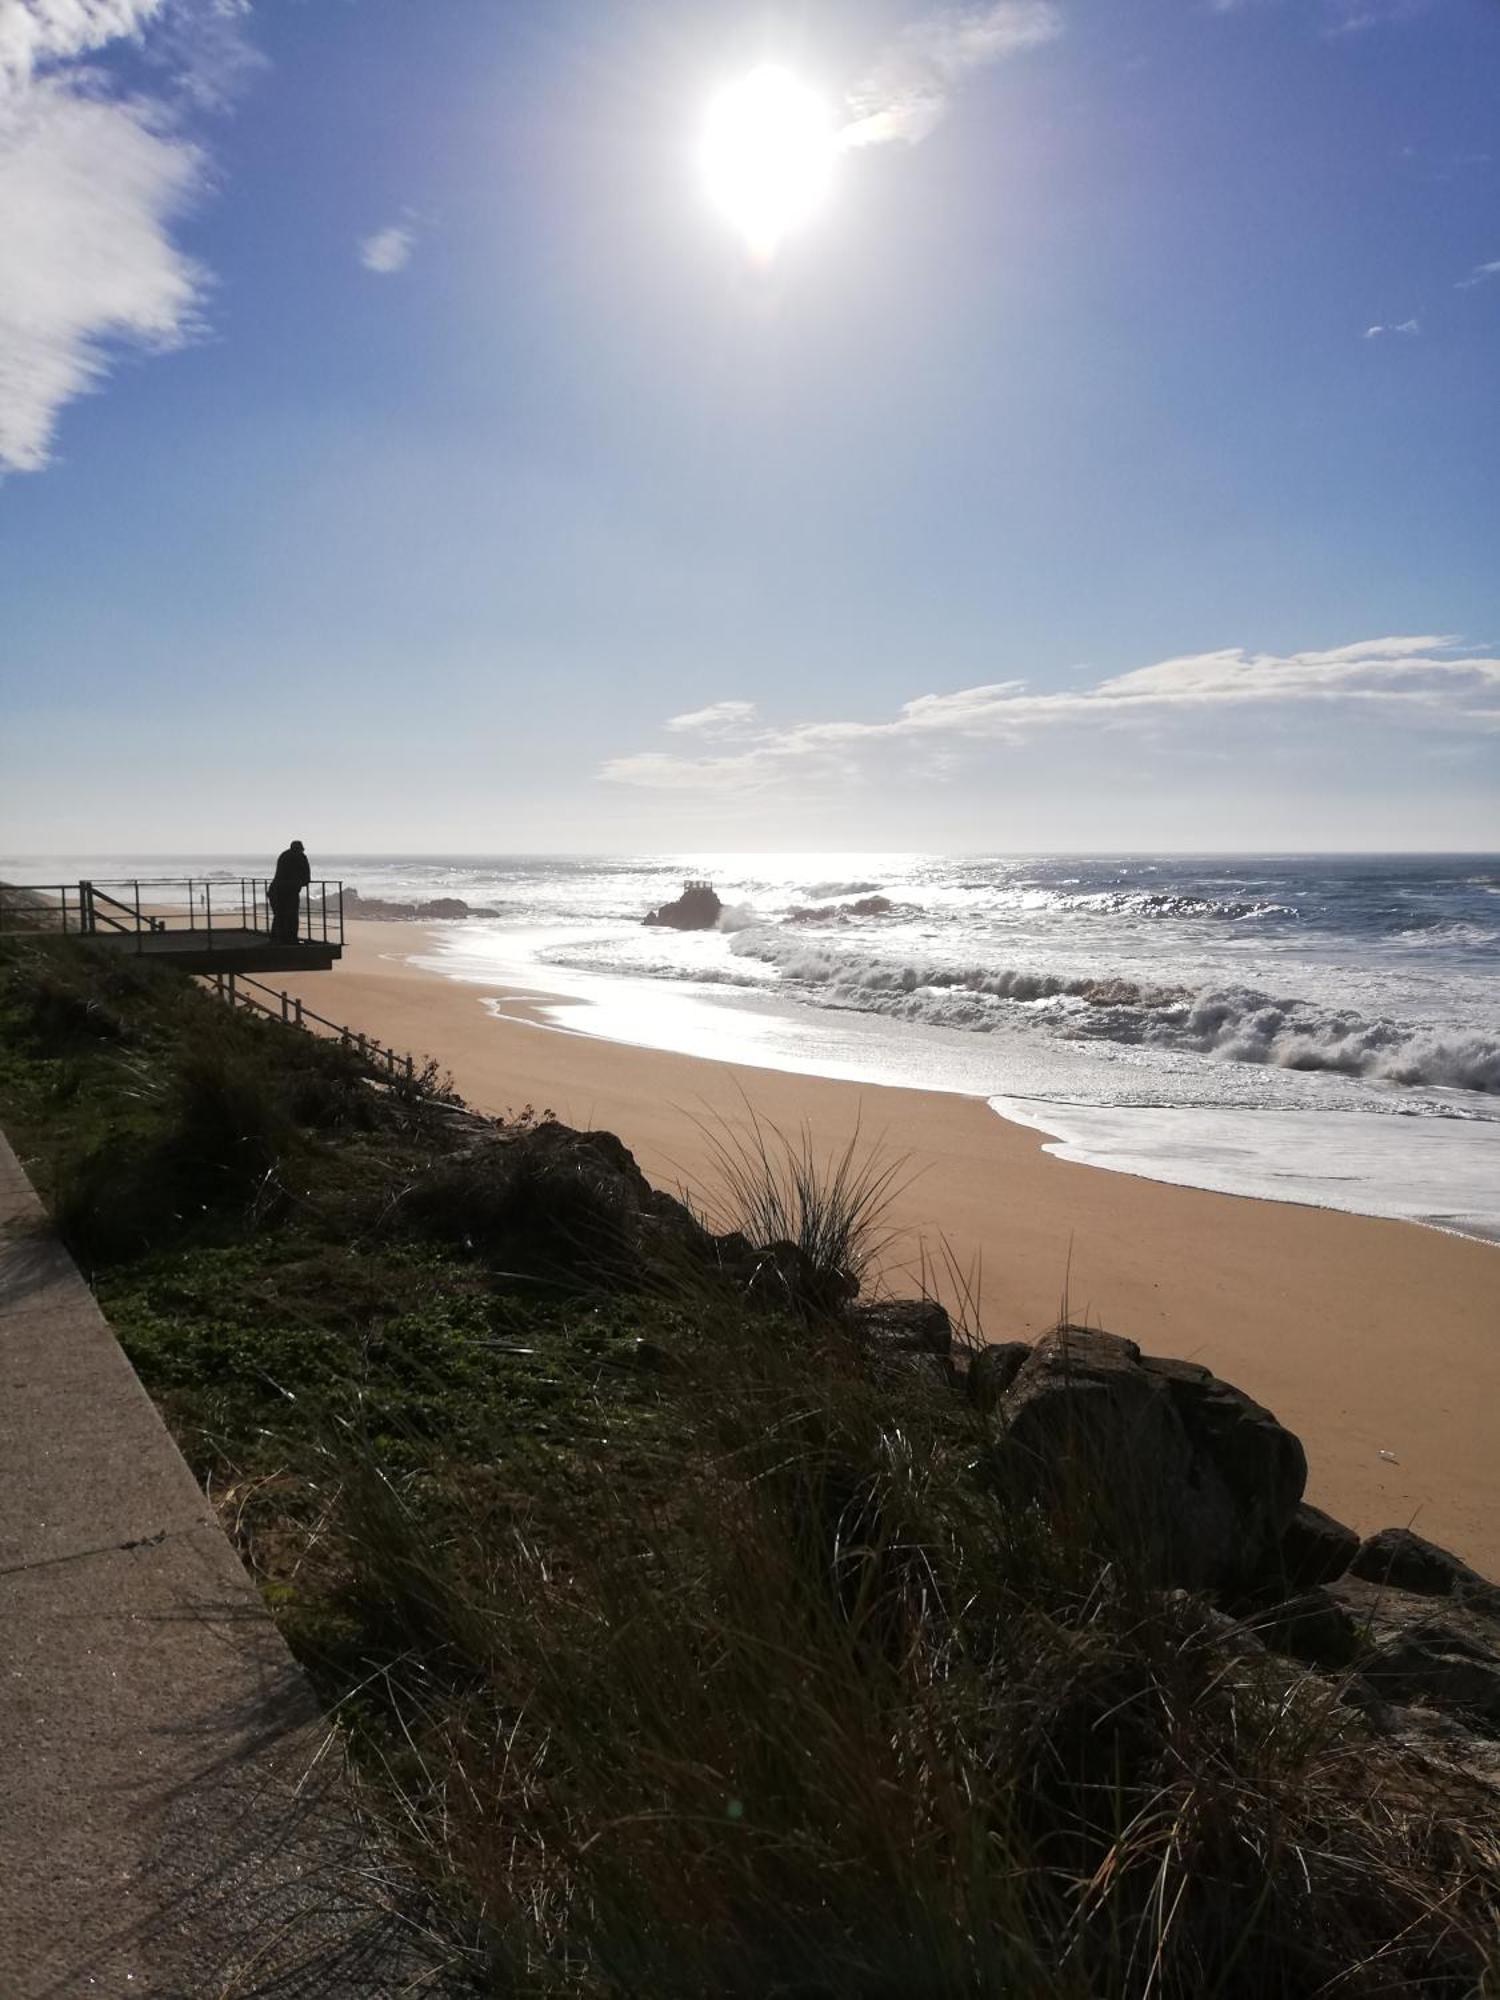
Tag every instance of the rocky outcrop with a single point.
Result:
(697, 909)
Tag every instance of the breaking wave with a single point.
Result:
(833, 913)
(1156, 904)
(1235, 1023)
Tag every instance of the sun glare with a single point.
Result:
(768, 148)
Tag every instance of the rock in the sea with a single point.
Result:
(1196, 1478)
(441, 909)
(993, 1369)
(909, 1326)
(1315, 1548)
(697, 909)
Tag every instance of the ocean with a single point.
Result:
(1315, 1028)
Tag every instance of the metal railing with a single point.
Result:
(144, 909)
(231, 987)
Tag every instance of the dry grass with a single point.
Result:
(825, 1718)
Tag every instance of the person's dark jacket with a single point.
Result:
(292, 875)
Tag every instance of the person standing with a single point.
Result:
(285, 892)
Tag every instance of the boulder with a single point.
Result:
(993, 1369)
(1315, 1548)
(1189, 1475)
(546, 1197)
(1260, 1461)
(697, 909)
(1406, 1562)
(1437, 1664)
(1442, 1656)
(904, 1326)
(783, 1276)
(1313, 1627)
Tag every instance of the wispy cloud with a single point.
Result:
(34, 33)
(91, 183)
(906, 93)
(720, 718)
(1399, 326)
(1342, 17)
(1428, 675)
(389, 249)
(1480, 275)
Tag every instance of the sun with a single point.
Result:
(768, 151)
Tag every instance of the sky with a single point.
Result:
(407, 443)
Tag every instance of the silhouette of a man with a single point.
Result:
(285, 892)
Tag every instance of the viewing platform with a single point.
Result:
(202, 924)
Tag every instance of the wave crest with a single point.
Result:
(1235, 1024)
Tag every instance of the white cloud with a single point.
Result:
(1398, 326)
(88, 190)
(1480, 274)
(91, 183)
(1415, 676)
(37, 32)
(721, 718)
(906, 93)
(388, 249)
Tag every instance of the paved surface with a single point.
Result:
(173, 1818)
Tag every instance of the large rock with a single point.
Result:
(545, 1197)
(904, 1326)
(1313, 1627)
(993, 1370)
(697, 909)
(1406, 1562)
(1191, 1478)
(1441, 1656)
(1315, 1548)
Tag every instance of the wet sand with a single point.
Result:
(1367, 1337)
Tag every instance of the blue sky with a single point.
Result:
(401, 449)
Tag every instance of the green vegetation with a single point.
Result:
(688, 1644)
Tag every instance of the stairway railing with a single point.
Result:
(286, 1007)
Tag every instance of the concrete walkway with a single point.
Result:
(173, 1819)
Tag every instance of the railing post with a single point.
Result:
(232, 995)
(410, 1072)
(298, 1006)
(285, 1006)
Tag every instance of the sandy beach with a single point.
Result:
(1378, 1342)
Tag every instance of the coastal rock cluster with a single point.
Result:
(441, 909)
(1207, 1486)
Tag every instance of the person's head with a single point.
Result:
(296, 847)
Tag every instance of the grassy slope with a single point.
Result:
(687, 1648)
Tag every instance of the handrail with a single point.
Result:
(229, 986)
(174, 904)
